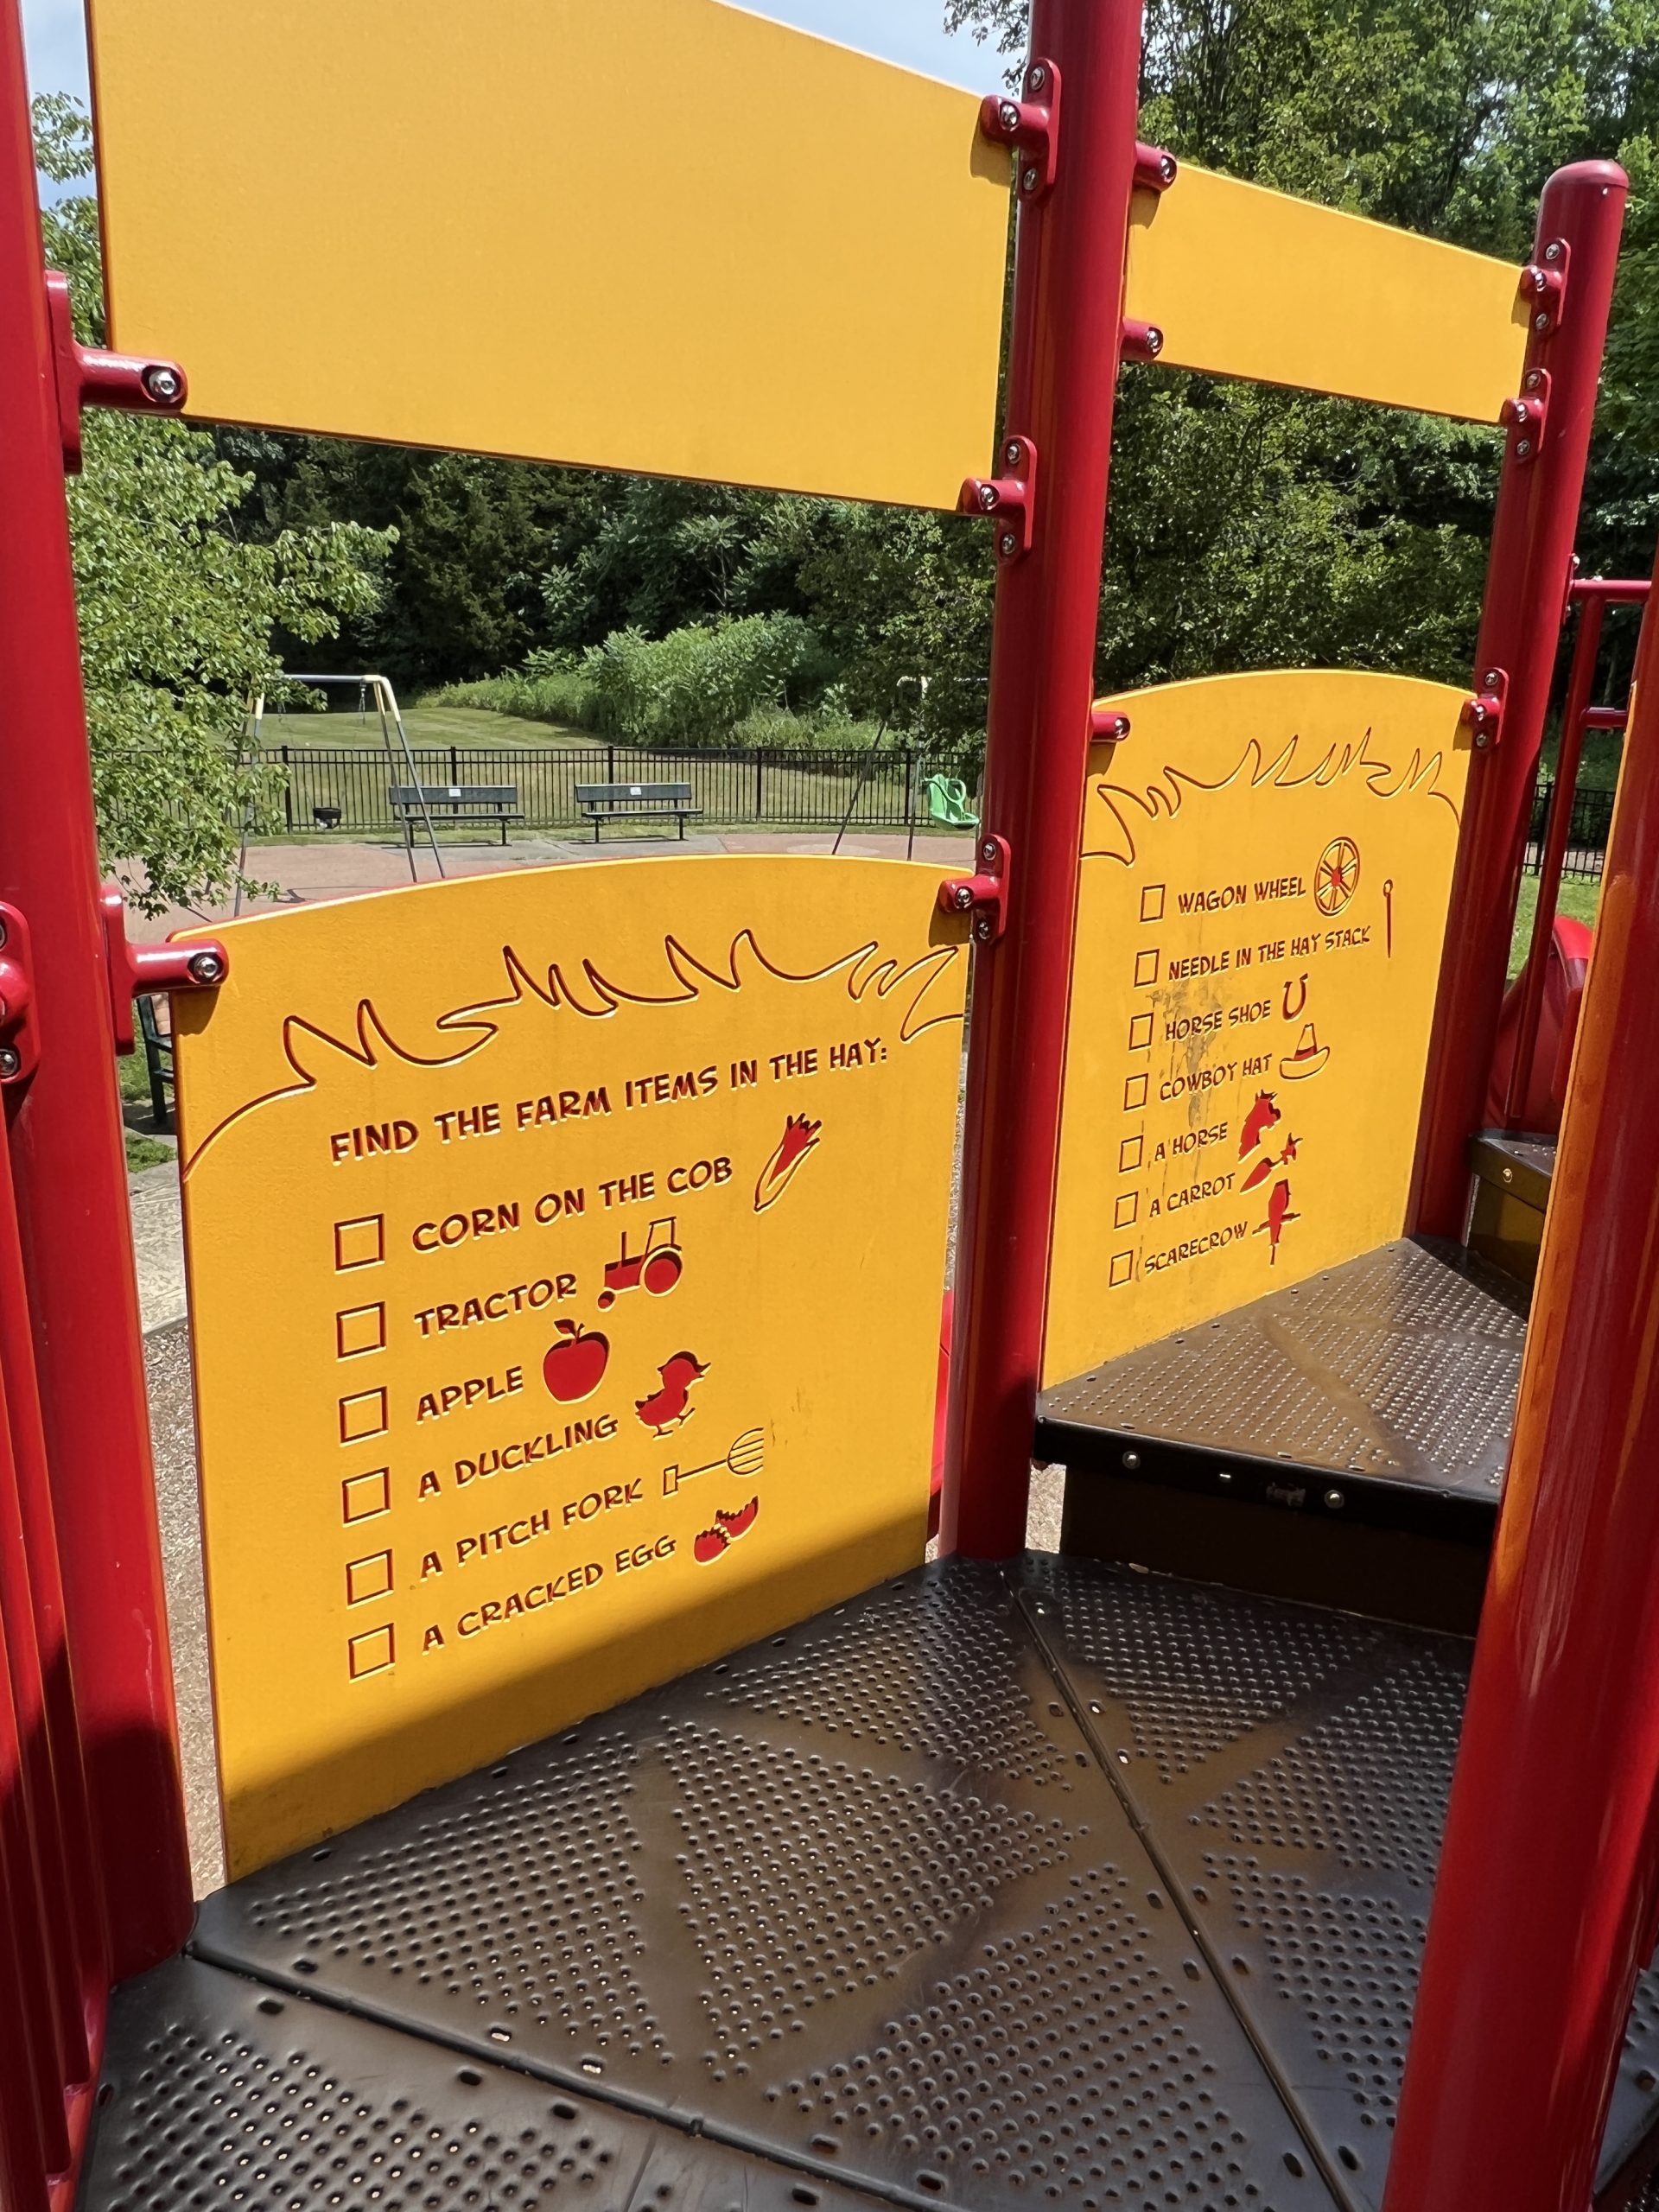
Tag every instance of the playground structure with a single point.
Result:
(599, 1827)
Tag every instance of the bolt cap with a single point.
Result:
(1132, 1460)
(207, 968)
(164, 382)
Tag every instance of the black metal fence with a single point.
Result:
(1586, 833)
(348, 788)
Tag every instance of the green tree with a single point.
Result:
(1252, 526)
(178, 611)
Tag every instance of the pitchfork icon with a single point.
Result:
(745, 1458)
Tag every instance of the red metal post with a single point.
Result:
(1586, 647)
(1062, 379)
(65, 1128)
(1549, 1876)
(1580, 221)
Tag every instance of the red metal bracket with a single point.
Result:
(135, 969)
(1543, 286)
(1107, 725)
(87, 376)
(1030, 126)
(1154, 169)
(1527, 416)
(20, 1044)
(1484, 711)
(1009, 501)
(985, 895)
(1142, 341)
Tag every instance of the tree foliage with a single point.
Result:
(178, 611)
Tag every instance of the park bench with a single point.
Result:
(490, 805)
(602, 803)
(158, 1060)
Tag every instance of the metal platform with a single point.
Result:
(1060, 1884)
(1512, 1174)
(1380, 1393)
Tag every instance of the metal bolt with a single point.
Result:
(164, 383)
(1334, 1499)
(1166, 169)
(1009, 115)
(11, 1062)
(1483, 737)
(1155, 339)
(1132, 1460)
(964, 897)
(1030, 180)
(3, 929)
(1523, 450)
(1553, 251)
(1036, 76)
(1538, 282)
(988, 498)
(207, 968)
(1520, 413)
(1540, 322)
(982, 929)
(1010, 546)
(1492, 679)
(1014, 453)
(988, 850)
(1535, 380)
(1509, 1174)
(1224, 1474)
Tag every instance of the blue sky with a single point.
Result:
(907, 31)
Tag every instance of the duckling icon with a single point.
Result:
(1309, 1057)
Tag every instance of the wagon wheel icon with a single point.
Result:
(1337, 877)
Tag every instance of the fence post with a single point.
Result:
(288, 794)
(760, 770)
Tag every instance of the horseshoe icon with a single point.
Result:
(1293, 1012)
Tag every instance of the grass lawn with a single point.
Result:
(465, 726)
(1578, 899)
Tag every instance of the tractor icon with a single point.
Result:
(659, 1264)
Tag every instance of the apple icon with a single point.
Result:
(575, 1367)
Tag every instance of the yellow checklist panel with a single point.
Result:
(566, 1252)
(657, 235)
(1266, 864)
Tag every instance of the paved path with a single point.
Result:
(324, 868)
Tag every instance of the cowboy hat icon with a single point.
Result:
(1309, 1057)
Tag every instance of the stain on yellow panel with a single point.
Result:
(1246, 283)
(1266, 866)
(657, 235)
(566, 1251)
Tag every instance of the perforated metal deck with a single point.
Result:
(1382, 1392)
(1061, 1883)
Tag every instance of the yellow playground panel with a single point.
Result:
(1245, 283)
(1266, 863)
(713, 247)
(565, 1252)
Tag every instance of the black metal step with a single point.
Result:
(218, 2091)
(1289, 1768)
(1513, 1176)
(860, 1900)
(1377, 1398)
(1060, 1882)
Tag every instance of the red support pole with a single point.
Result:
(1580, 221)
(1551, 860)
(64, 1126)
(1062, 380)
(1549, 1875)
